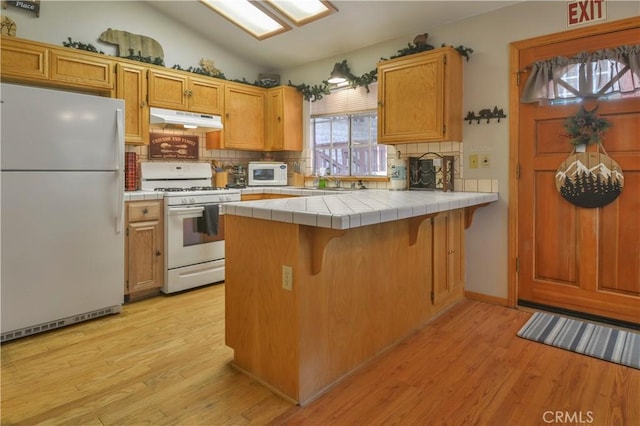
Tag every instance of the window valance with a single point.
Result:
(586, 75)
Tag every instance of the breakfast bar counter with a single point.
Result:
(346, 209)
(318, 286)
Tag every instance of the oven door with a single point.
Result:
(185, 244)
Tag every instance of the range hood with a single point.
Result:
(188, 120)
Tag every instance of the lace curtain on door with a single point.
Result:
(586, 75)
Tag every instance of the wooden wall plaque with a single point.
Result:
(173, 147)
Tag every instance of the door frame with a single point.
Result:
(515, 73)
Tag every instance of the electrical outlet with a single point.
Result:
(485, 161)
(287, 277)
(473, 161)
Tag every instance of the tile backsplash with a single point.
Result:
(229, 158)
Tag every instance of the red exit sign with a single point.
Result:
(585, 11)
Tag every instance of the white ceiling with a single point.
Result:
(357, 24)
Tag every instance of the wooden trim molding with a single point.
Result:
(486, 298)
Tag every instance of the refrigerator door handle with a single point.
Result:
(120, 171)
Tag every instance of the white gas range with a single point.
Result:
(194, 226)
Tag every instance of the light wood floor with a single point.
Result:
(163, 361)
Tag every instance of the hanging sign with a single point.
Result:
(176, 147)
(589, 179)
(31, 6)
(581, 12)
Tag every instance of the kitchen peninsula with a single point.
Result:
(318, 286)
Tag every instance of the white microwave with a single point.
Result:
(267, 173)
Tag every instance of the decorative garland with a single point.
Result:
(81, 46)
(145, 59)
(586, 127)
(317, 92)
(310, 93)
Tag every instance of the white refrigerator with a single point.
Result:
(62, 189)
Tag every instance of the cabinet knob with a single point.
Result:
(158, 253)
(227, 115)
(145, 211)
(142, 104)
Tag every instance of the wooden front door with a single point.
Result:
(580, 259)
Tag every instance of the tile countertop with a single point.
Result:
(142, 195)
(351, 209)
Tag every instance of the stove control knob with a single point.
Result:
(227, 197)
(184, 200)
(192, 200)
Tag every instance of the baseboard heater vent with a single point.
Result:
(52, 325)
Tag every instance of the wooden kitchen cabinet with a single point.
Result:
(284, 119)
(30, 62)
(243, 119)
(448, 257)
(420, 97)
(131, 85)
(144, 247)
(81, 70)
(24, 61)
(174, 90)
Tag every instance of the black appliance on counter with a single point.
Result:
(435, 173)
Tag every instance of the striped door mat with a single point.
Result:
(610, 344)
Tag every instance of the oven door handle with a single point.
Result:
(195, 211)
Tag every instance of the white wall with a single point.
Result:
(486, 84)
(84, 21)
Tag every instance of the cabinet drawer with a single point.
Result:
(143, 211)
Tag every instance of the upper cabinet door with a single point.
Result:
(174, 90)
(24, 61)
(131, 85)
(243, 120)
(167, 90)
(420, 98)
(81, 70)
(205, 95)
(284, 119)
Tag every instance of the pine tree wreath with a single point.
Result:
(588, 179)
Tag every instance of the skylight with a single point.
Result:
(302, 11)
(257, 19)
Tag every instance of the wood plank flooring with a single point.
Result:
(163, 362)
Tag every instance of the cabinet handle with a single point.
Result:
(227, 115)
(158, 253)
(142, 104)
(145, 211)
